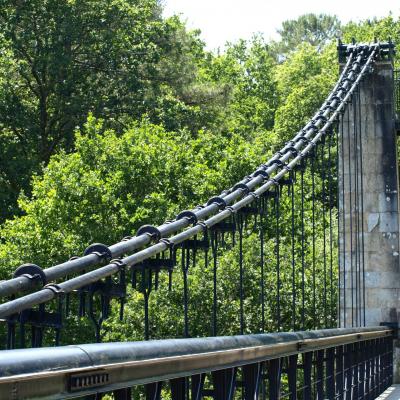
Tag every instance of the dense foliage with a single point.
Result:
(112, 117)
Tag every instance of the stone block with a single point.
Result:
(389, 222)
(387, 202)
(373, 316)
(380, 261)
(381, 280)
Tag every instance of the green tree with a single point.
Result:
(304, 81)
(112, 184)
(247, 70)
(371, 30)
(317, 30)
(119, 60)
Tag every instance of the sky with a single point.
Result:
(229, 20)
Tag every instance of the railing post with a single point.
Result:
(307, 367)
(369, 205)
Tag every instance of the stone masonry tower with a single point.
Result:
(369, 205)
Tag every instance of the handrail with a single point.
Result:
(50, 372)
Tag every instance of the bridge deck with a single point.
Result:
(392, 393)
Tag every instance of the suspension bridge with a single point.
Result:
(327, 292)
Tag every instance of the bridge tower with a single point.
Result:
(369, 204)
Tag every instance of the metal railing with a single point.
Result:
(342, 363)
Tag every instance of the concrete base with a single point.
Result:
(393, 393)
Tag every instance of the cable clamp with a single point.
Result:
(274, 181)
(336, 97)
(254, 195)
(293, 150)
(219, 201)
(189, 215)
(231, 209)
(313, 126)
(263, 173)
(312, 143)
(287, 168)
(203, 225)
(278, 162)
(241, 186)
(303, 139)
(56, 289)
(32, 272)
(119, 263)
(101, 250)
(150, 230)
(322, 118)
(168, 242)
(329, 107)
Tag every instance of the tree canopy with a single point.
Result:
(317, 30)
(62, 60)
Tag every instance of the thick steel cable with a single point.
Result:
(338, 103)
(309, 149)
(21, 283)
(79, 264)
